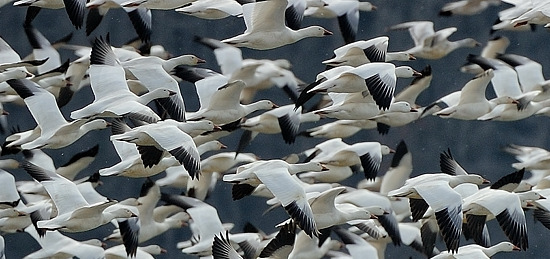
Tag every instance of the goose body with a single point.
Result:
(220, 101)
(112, 96)
(430, 44)
(75, 214)
(266, 27)
(55, 131)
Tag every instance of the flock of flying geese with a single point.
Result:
(137, 96)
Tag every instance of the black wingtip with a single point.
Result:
(382, 128)
(91, 152)
(445, 13)
(102, 54)
(146, 186)
(299, 216)
(239, 191)
(186, 158)
(370, 166)
(400, 151)
(22, 87)
(512, 178)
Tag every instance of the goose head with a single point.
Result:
(153, 249)
(469, 43)
(500, 247)
(189, 60)
(376, 210)
(401, 106)
(194, 128)
(15, 74)
(530, 195)
(123, 213)
(504, 100)
(366, 6)
(386, 150)
(399, 56)
(313, 31)
(262, 105)
(210, 146)
(155, 94)
(309, 166)
(470, 178)
(96, 124)
(406, 72)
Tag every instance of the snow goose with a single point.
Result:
(266, 29)
(368, 199)
(220, 162)
(257, 74)
(338, 129)
(477, 251)
(494, 47)
(365, 51)
(430, 44)
(13, 74)
(399, 171)
(42, 50)
(334, 174)
(279, 120)
(327, 213)
(281, 245)
(222, 248)
(505, 17)
(75, 214)
(505, 80)
(9, 197)
(416, 87)
(155, 4)
(220, 101)
(306, 247)
(367, 154)
(435, 190)
(529, 72)
(347, 13)
(2, 248)
(473, 103)
(157, 140)
(145, 252)
(139, 16)
(212, 9)
(201, 188)
(350, 106)
(538, 14)
(505, 206)
(112, 97)
(399, 114)
(149, 223)
(466, 7)
(74, 8)
(55, 131)
(56, 244)
(530, 158)
(510, 112)
(377, 79)
(132, 164)
(246, 178)
(205, 222)
(11, 59)
(355, 244)
(77, 163)
(275, 175)
(153, 71)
